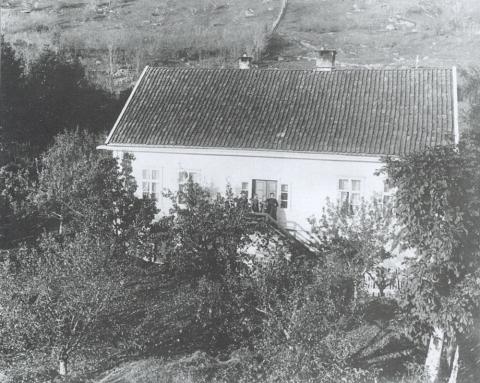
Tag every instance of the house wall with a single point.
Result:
(310, 180)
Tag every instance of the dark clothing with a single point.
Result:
(272, 205)
(242, 202)
(255, 207)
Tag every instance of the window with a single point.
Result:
(284, 196)
(184, 177)
(150, 183)
(349, 191)
(387, 193)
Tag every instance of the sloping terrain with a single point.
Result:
(372, 346)
(135, 24)
(118, 37)
(384, 32)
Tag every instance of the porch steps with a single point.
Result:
(294, 234)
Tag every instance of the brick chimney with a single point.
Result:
(244, 62)
(325, 60)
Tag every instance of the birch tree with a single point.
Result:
(438, 208)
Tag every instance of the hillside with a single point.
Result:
(116, 38)
(385, 32)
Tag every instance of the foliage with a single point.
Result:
(305, 323)
(62, 98)
(84, 188)
(53, 96)
(206, 234)
(12, 94)
(470, 92)
(72, 187)
(59, 298)
(438, 208)
(19, 216)
(206, 242)
(291, 311)
(357, 242)
(78, 284)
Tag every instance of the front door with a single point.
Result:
(263, 188)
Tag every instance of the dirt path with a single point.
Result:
(277, 21)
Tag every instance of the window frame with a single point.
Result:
(151, 183)
(285, 200)
(192, 174)
(349, 192)
(387, 193)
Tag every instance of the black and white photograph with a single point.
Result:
(240, 191)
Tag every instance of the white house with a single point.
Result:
(303, 135)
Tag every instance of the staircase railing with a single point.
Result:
(301, 233)
(292, 231)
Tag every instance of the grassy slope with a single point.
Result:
(96, 23)
(127, 34)
(116, 38)
(386, 32)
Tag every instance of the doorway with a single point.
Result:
(263, 188)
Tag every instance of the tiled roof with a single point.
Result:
(344, 111)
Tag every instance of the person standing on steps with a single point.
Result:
(243, 200)
(272, 205)
(255, 204)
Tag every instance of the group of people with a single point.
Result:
(269, 205)
(265, 205)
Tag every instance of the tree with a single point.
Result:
(62, 297)
(471, 94)
(53, 96)
(76, 284)
(307, 321)
(206, 233)
(438, 208)
(12, 95)
(62, 98)
(81, 187)
(207, 240)
(358, 242)
(19, 216)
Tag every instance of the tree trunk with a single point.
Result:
(62, 367)
(454, 370)
(110, 65)
(434, 355)
(355, 292)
